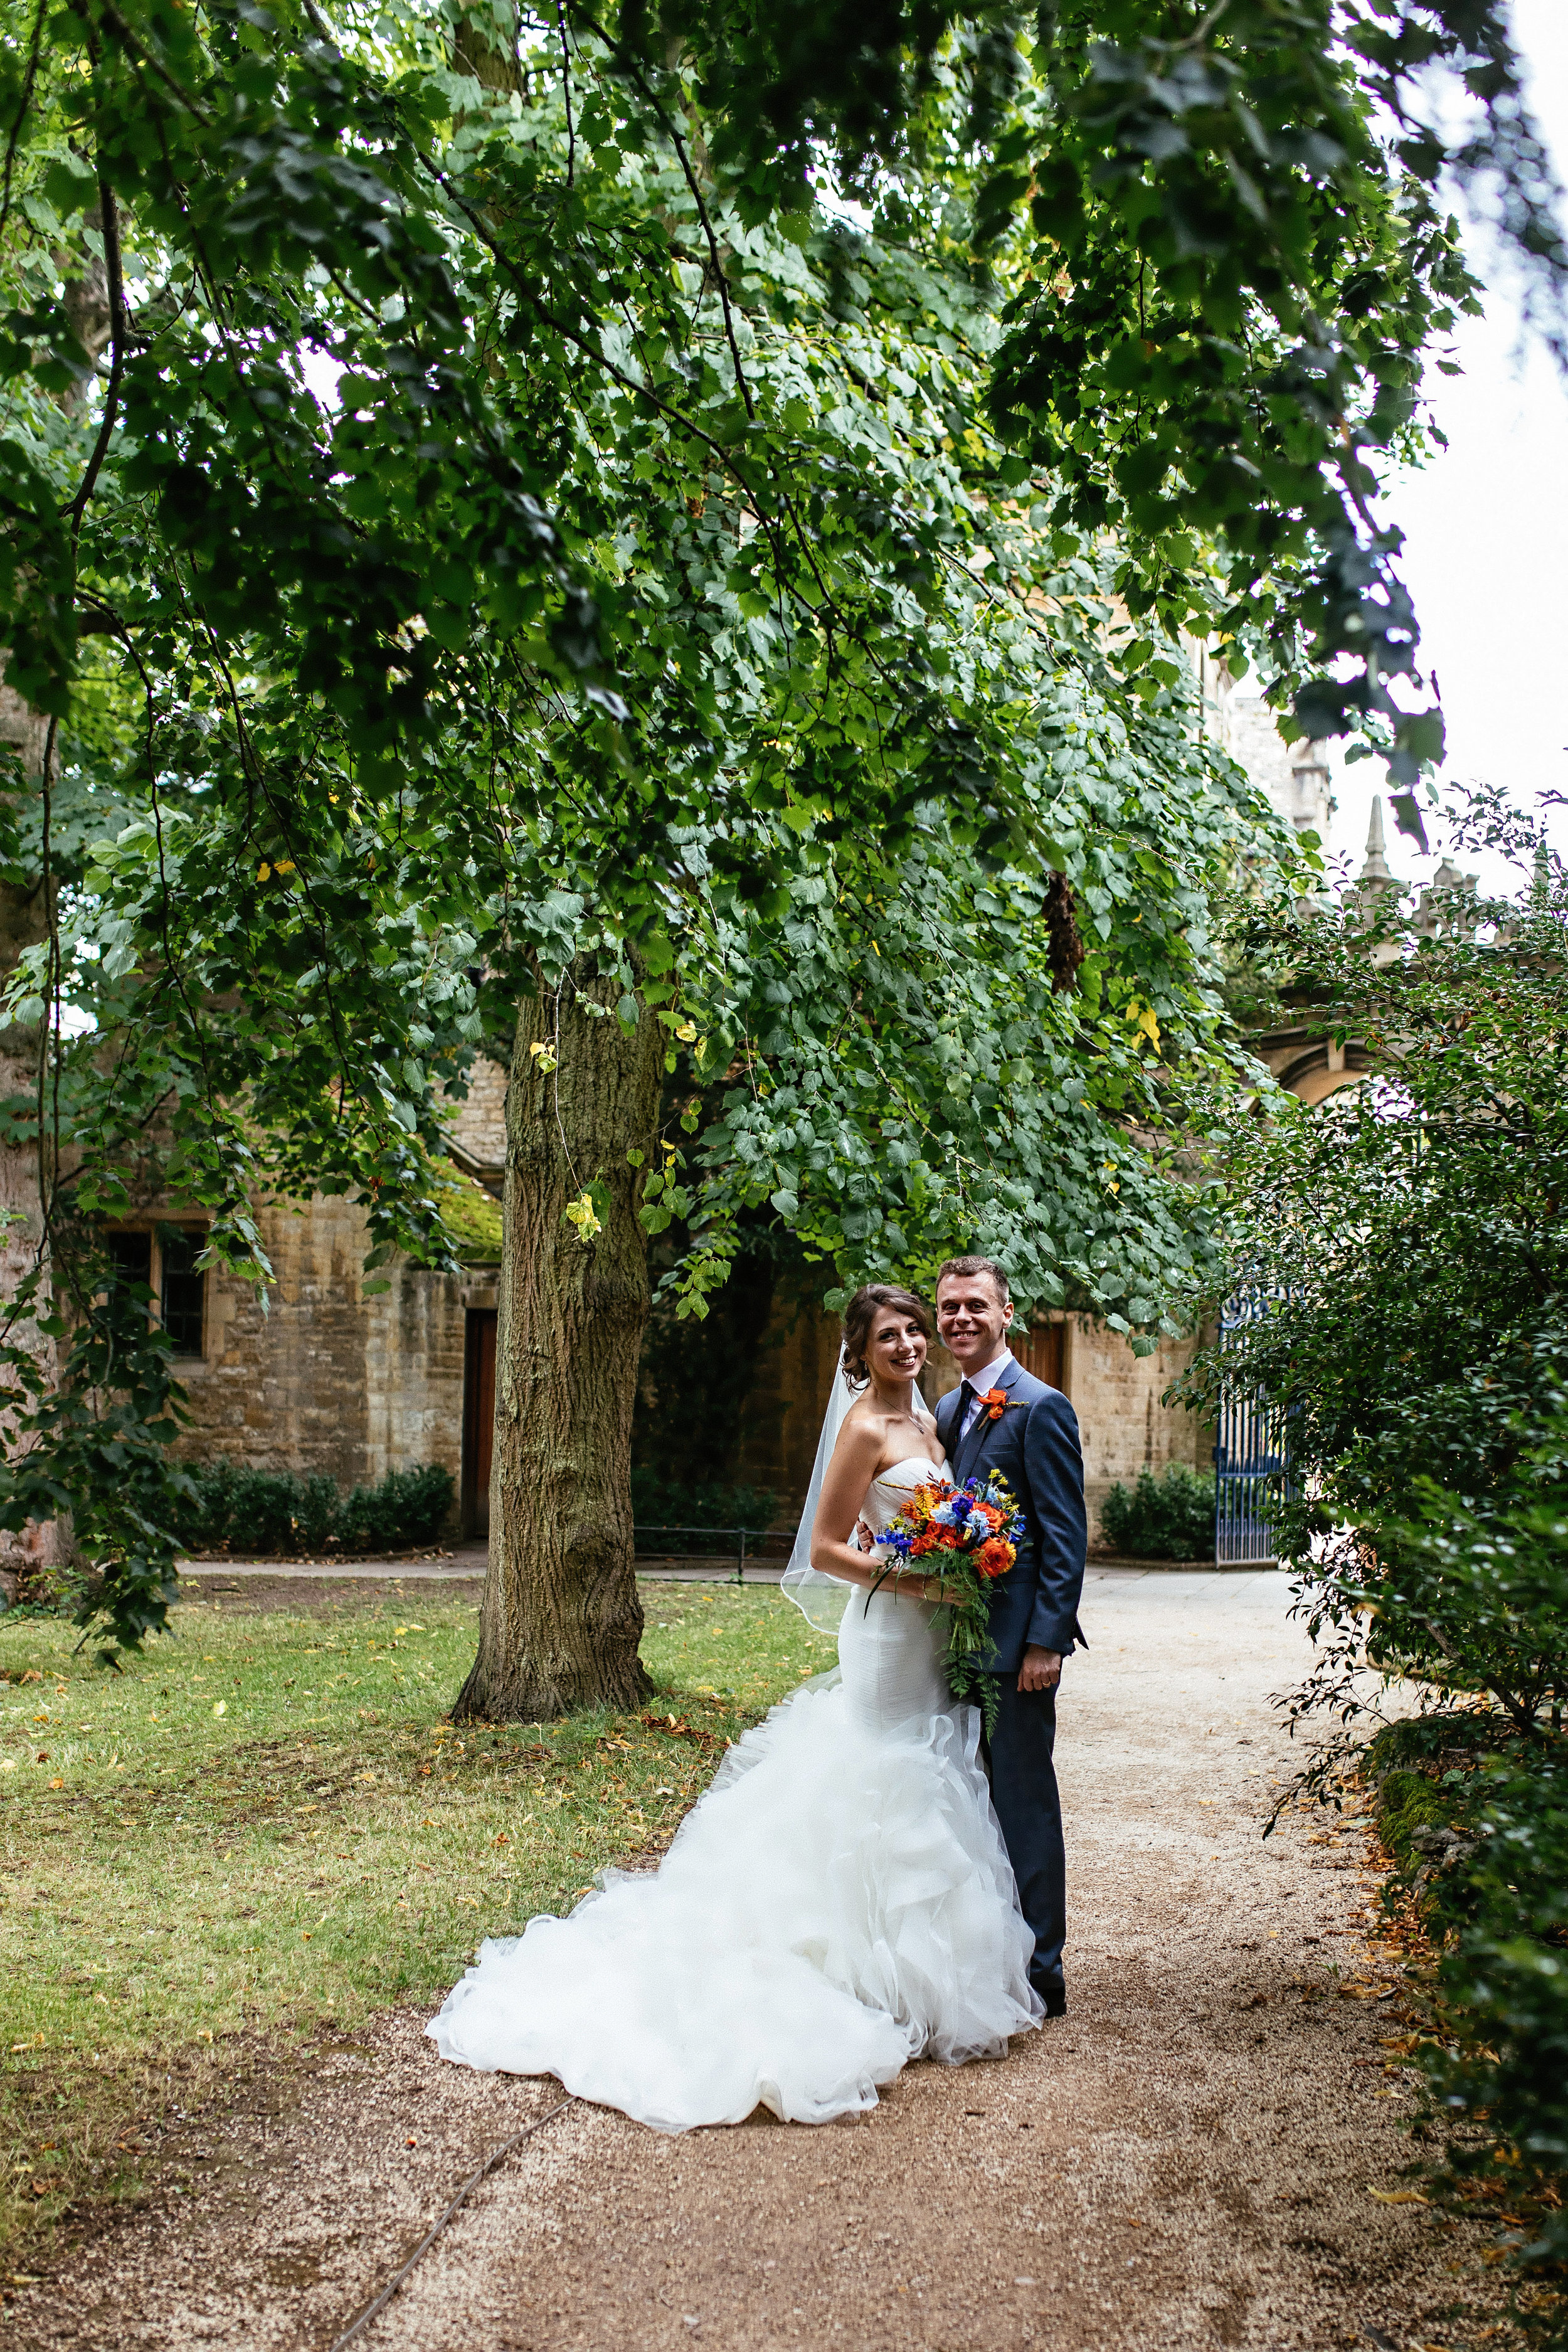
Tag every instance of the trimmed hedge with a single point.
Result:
(242, 1510)
(1163, 1518)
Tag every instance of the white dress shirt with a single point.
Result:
(979, 1382)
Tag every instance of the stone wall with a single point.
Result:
(1122, 1424)
(326, 1379)
(479, 1124)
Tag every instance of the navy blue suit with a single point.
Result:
(1034, 1445)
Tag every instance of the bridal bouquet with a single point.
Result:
(967, 1536)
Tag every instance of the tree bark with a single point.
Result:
(24, 921)
(561, 1623)
(475, 51)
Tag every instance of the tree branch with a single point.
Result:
(113, 272)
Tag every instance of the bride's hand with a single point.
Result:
(865, 1535)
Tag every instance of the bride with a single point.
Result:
(840, 1901)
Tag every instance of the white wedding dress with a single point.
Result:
(839, 1903)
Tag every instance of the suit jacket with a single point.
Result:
(1035, 1447)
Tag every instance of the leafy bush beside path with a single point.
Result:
(1412, 1236)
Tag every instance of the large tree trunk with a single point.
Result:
(23, 921)
(561, 1621)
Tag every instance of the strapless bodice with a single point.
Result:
(890, 1645)
(891, 1488)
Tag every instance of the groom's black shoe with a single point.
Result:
(1054, 1999)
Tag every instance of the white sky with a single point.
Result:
(1486, 529)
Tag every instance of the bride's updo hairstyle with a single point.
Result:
(870, 1301)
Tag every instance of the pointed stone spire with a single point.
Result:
(1376, 866)
(1374, 884)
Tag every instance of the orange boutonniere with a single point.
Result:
(995, 1401)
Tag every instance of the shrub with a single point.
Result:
(1477, 1815)
(244, 1510)
(1163, 1518)
(408, 1507)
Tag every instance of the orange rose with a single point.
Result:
(995, 1557)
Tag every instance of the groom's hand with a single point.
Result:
(1041, 1669)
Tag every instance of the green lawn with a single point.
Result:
(265, 1823)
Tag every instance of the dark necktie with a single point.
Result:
(966, 1396)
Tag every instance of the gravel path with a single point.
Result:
(1185, 2159)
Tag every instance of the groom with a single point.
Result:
(1005, 1420)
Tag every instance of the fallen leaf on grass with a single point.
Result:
(679, 1729)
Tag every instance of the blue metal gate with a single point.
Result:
(1252, 1447)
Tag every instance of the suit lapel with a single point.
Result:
(945, 1413)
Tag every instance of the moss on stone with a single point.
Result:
(1407, 1801)
(473, 1214)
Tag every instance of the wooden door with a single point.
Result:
(479, 1419)
(1044, 1353)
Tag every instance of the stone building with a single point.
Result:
(320, 1377)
